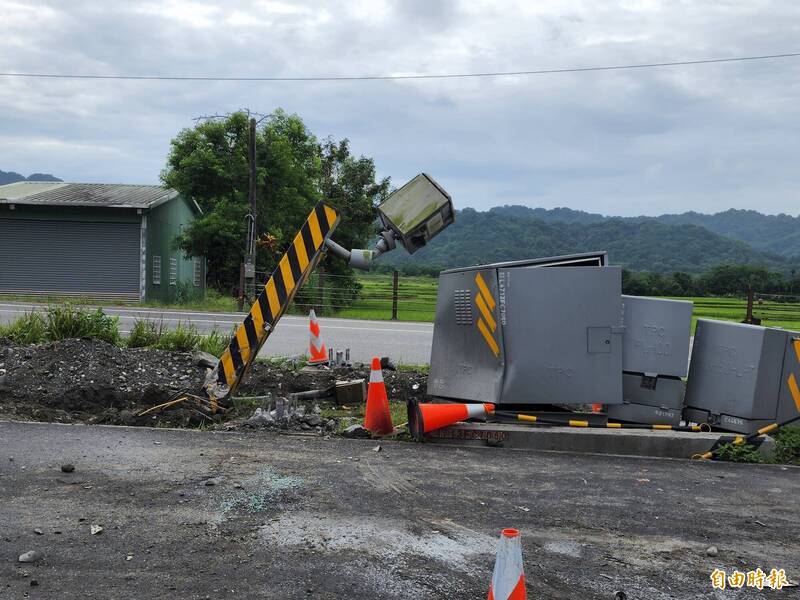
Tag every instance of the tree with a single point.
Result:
(294, 171)
(349, 184)
(209, 164)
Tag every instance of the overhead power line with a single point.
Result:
(402, 77)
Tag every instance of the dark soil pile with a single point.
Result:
(84, 380)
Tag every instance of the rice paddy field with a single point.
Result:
(417, 302)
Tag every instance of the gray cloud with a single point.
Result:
(691, 138)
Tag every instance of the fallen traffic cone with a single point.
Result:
(423, 418)
(316, 346)
(378, 419)
(508, 579)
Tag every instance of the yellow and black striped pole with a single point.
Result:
(293, 269)
(586, 424)
(740, 439)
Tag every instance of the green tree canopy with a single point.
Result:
(294, 171)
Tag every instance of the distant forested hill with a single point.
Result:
(12, 177)
(511, 233)
(779, 234)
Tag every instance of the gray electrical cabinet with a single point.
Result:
(655, 356)
(789, 399)
(736, 377)
(516, 333)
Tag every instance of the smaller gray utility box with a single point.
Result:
(518, 333)
(655, 355)
(739, 376)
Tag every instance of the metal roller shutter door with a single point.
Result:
(70, 258)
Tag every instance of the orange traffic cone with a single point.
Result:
(317, 351)
(423, 418)
(378, 419)
(508, 580)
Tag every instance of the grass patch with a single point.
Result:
(355, 414)
(214, 343)
(68, 321)
(60, 323)
(741, 453)
(145, 334)
(787, 446)
(184, 338)
(424, 369)
(30, 328)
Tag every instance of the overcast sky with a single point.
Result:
(705, 138)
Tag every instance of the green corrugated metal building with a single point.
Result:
(96, 241)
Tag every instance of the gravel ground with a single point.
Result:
(190, 514)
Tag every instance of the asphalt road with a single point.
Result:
(304, 517)
(402, 341)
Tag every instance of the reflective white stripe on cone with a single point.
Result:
(317, 351)
(508, 579)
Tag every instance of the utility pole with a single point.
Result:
(250, 251)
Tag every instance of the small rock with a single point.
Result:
(377, 448)
(261, 418)
(214, 481)
(313, 420)
(29, 557)
(67, 468)
(96, 529)
(34, 583)
(356, 431)
(331, 424)
(38, 531)
(712, 551)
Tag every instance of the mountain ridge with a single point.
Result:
(7, 177)
(513, 233)
(777, 234)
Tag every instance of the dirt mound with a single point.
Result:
(85, 380)
(90, 380)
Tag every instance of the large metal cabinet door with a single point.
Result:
(467, 358)
(563, 337)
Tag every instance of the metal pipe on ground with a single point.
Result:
(586, 424)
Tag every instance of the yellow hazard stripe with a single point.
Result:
(316, 232)
(227, 366)
(258, 319)
(530, 418)
(487, 314)
(331, 215)
(573, 423)
(662, 427)
(614, 425)
(488, 337)
(300, 249)
(795, 391)
(796, 345)
(244, 344)
(286, 271)
(272, 298)
(484, 289)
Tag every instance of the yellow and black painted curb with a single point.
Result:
(293, 268)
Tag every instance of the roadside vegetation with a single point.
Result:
(67, 321)
(786, 451)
